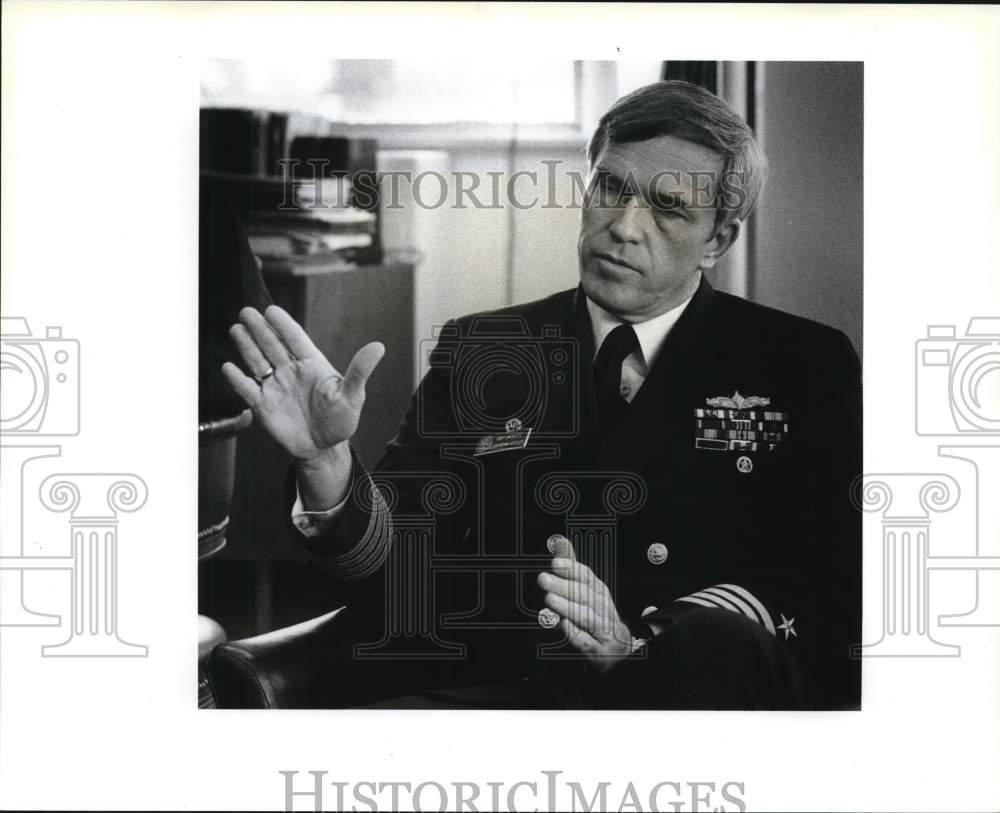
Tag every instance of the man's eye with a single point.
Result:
(602, 197)
(607, 186)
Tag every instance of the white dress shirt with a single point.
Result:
(651, 334)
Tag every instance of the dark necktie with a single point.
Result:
(617, 345)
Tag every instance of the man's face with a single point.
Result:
(649, 226)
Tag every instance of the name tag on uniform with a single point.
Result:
(737, 423)
(516, 437)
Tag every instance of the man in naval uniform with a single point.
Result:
(632, 494)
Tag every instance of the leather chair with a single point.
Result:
(298, 667)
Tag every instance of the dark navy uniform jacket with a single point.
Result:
(726, 484)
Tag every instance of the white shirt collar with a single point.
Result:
(651, 333)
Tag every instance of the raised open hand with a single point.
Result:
(296, 394)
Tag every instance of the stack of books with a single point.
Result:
(302, 219)
(306, 231)
(289, 178)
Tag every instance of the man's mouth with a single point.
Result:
(614, 261)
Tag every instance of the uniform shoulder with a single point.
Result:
(553, 308)
(756, 322)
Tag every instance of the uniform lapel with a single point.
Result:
(586, 394)
(573, 411)
(662, 407)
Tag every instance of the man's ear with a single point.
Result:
(720, 244)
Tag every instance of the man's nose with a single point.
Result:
(625, 227)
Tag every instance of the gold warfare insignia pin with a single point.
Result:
(738, 401)
(738, 423)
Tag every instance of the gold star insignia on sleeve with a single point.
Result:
(788, 625)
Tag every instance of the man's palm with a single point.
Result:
(305, 408)
(304, 404)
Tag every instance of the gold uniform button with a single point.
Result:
(649, 610)
(657, 553)
(553, 541)
(744, 465)
(547, 618)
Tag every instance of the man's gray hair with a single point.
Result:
(690, 112)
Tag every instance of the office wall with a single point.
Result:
(477, 259)
(807, 235)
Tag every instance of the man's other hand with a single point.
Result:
(583, 602)
(295, 393)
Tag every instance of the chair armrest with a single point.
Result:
(294, 667)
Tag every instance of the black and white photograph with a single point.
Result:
(499, 407)
(597, 496)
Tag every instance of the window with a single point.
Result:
(414, 93)
(393, 91)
